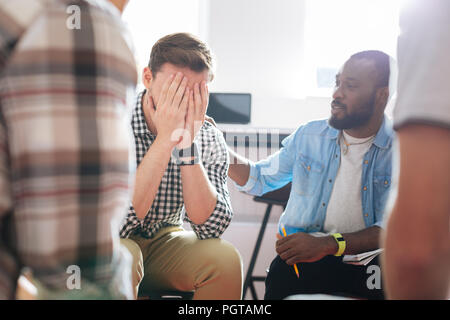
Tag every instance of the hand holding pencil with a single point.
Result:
(295, 265)
(301, 246)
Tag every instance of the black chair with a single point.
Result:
(278, 197)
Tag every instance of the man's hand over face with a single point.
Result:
(170, 115)
(197, 106)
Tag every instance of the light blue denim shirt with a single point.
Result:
(310, 158)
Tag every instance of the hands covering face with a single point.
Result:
(195, 116)
(181, 110)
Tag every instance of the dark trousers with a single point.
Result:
(326, 276)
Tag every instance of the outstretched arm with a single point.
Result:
(239, 170)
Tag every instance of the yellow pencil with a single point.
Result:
(295, 265)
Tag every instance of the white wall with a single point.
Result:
(258, 43)
(259, 46)
(149, 21)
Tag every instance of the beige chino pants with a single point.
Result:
(176, 259)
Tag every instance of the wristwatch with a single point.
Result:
(341, 244)
(187, 156)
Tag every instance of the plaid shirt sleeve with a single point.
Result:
(131, 223)
(10, 31)
(64, 147)
(216, 161)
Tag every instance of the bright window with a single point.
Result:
(149, 21)
(337, 29)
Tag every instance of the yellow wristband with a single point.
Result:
(341, 244)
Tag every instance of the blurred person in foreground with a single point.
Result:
(66, 75)
(417, 237)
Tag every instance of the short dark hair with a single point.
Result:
(182, 50)
(382, 64)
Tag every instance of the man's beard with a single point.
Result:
(356, 119)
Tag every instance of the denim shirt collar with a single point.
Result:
(385, 134)
(382, 140)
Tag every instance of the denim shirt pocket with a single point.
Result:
(307, 175)
(381, 188)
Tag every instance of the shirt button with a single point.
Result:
(330, 180)
(365, 188)
(323, 204)
(366, 215)
(386, 182)
(366, 162)
(309, 168)
(336, 156)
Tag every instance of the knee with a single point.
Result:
(280, 273)
(219, 271)
(225, 257)
(278, 266)
(277, 281)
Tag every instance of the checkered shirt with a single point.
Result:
(168, 206)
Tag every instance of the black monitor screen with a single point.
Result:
(230, 107)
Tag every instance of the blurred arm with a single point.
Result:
(417, 241)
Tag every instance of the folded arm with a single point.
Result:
(205, 191)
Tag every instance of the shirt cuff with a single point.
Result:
(252, 179)
(381, 224)
(132, 213)
(131, 223)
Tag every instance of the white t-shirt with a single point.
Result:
(424, 64)
(344, 212)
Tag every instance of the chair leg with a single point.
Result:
(248, 277)
(253, 291)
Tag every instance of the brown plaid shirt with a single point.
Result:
(64, 142)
